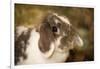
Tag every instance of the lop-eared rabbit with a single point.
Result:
(50, 42)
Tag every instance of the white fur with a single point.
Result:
(79, 41)
(21, 29)
(64, 19)
(56, 21)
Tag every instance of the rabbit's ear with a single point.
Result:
(50, 52)
(78, 41)
(46, 41)
(46, 46)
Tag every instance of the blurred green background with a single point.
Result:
(82, 18)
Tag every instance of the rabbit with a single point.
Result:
(50, 42)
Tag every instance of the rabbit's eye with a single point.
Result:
(54, 29)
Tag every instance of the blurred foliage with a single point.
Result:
(81, 18)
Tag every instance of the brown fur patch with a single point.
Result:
(46, 37)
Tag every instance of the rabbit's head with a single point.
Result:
(57, 33)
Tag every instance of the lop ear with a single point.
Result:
(46, 48)
(50, 52)
(46, 41)
(78, 41)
